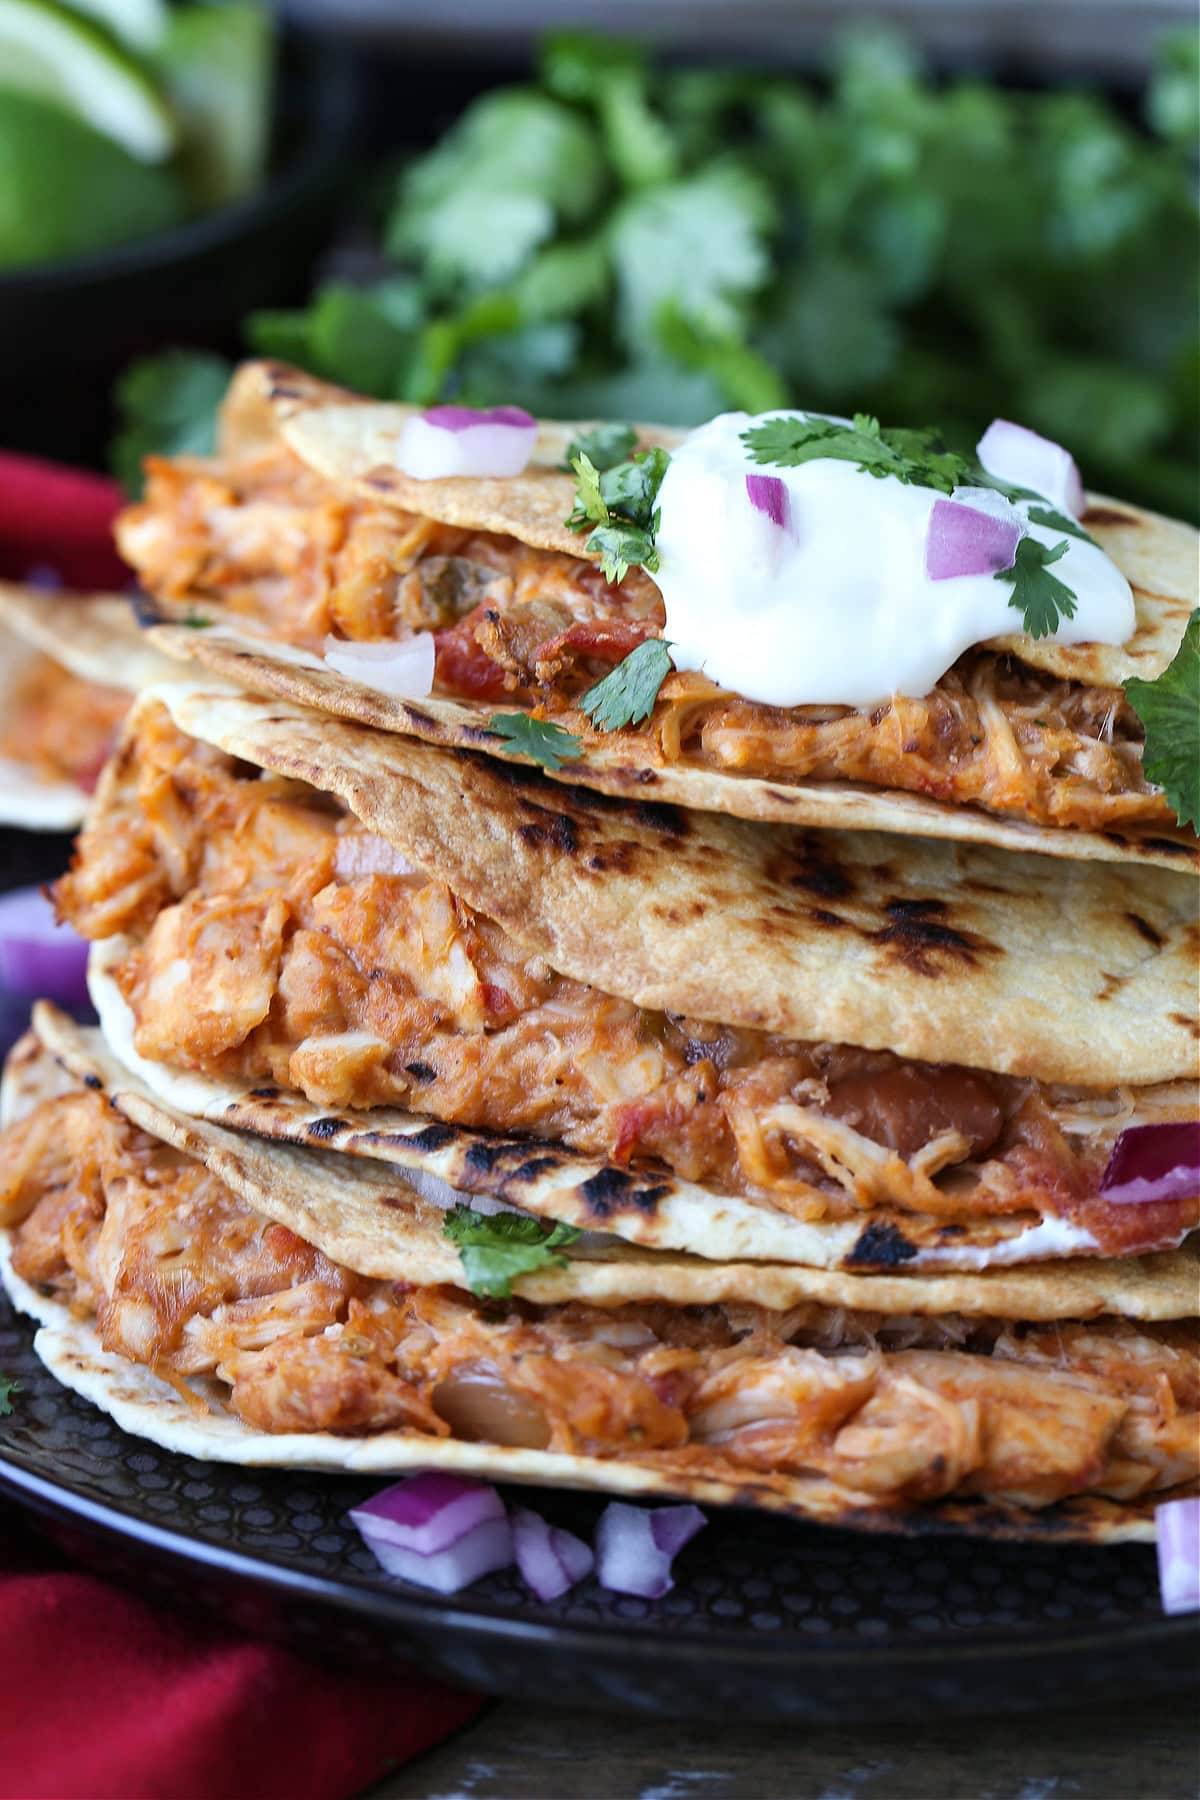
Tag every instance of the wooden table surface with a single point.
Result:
(1141, 1751)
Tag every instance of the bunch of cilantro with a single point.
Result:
(632, 241)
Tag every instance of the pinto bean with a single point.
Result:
(478, 1404)
(905, 1108)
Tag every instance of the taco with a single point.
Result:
(835, 1049)
(286, 1308)
(68, 664)
(304, 532)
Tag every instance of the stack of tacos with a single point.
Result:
(742, 1109)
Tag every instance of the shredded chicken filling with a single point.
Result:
(58, 724)
(183, 1277)
(275, 941)
(270, 540)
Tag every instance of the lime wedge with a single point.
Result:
(67, 190)
(142, 24)
(46, 50)
(216, 63)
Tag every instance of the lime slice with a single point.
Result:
(46, 50)
(142, 24)
(216, 63)
(67, 190)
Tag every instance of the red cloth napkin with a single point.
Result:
(53, 517)
(103, 1697)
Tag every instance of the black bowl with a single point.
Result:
(67, 328)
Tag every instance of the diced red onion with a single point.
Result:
(1016, 454)
(403, 668)
(966, 540)
(38, 956)
(768, 494)
(438, 1531)
(550, 1560)
(635, 1546)
(457, 440)
(1177, 1524)
(1154, 1162)
(362, 853)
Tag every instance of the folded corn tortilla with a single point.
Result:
(350, 445)
(744, 915)
(310, 1192)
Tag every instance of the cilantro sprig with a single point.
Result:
(1169, 708)
(1040, 598)
(497, 1248)
(8, 1388)
(617, 503)
(627, 695)
(540, 740)
(916, 457)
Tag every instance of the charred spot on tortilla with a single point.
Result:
(802, 866)
(420, 1071)
(658, 815)
(559, 834)
(1110, 984)
(264, 1093)
(323, 1129)
(431, 1137)
(915, 932)
(93, 1081)
(1188, 1023)
(605, 1190)
(537, 1165)
(1144, 929)
(831, 920)
(882, 1244)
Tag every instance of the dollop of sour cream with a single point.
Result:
(834, 606)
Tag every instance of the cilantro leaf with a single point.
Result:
(1169, 708)
(916, 457)
(619, 501)
(540, 740)
(166, 406)
(8, 1388)
(589, 501)
(1041, 598)
(497, 1248)
(627, 696)
(619, 546)
(1056, 521)
(604, 447)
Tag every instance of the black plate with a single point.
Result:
(768, 1619)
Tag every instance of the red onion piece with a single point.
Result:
(429, 1512)
(403, 668)
(38, 956)
(1014, 453)
(1154, 1162)
(362, 853)
(1178, 1537)
(487, 1548)
(965, 541)
(456, 440)
(550, 1561)
(635, 1547)
(768, 494)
